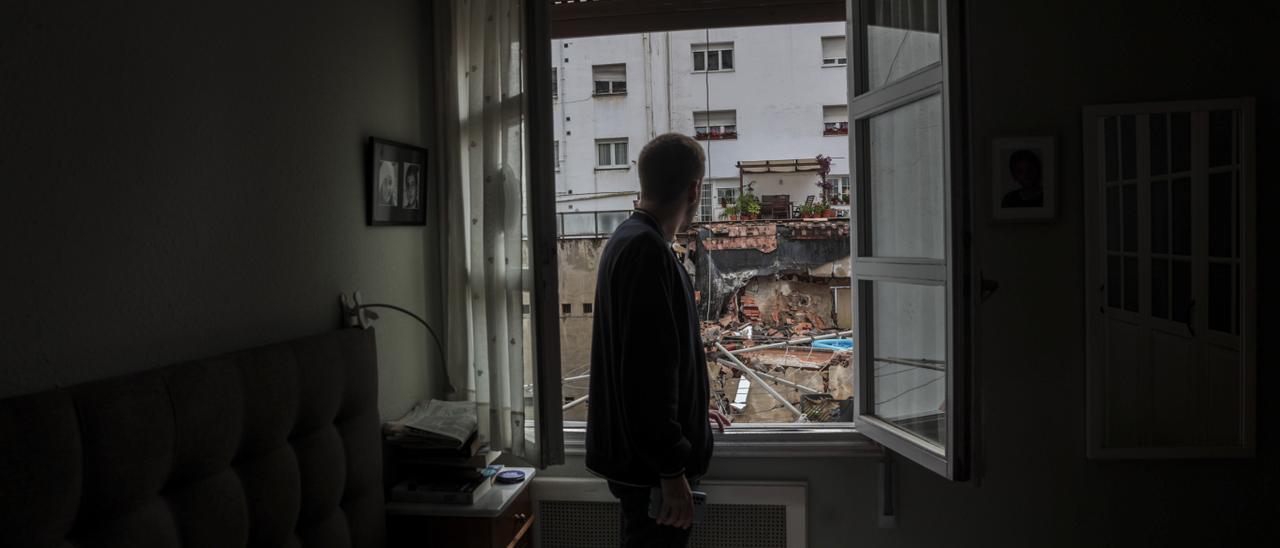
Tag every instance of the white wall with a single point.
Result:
(186, 179)
(778, 88)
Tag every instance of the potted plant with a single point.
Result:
(730, 212)
(749, 203)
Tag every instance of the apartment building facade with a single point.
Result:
(749, 94)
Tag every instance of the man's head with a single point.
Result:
(1024, 167)
(671, 168)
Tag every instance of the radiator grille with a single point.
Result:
(583, 524)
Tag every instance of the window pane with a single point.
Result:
(1131, 296)
(620, 154)
(1113, 218)
(1159, 144)
(902, 37)
(1181, 213)
(699, 60)
(1113, 281)
(905, 187)
(602, 86)
(1221, 138)
(1221, 225)
(1128, 148)
(1160, 217)
(1221, 303)
(602, 154)
(1181, 306)
(1111, 150)
(726, 59)
(609, 220)
(579, 224)
(1180, 142)
(1131, 218)
(1160, 288)
(909, 357)
(713, 60)
(620, 86)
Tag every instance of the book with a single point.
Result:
(434, 460)
(442, 491)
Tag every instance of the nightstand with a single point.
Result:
(502, 518)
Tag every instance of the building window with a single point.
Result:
(713, 57)
(566, 309)
(611, 153)
(726, 196)
(555, 83)
(555, 151)
(840, 186)
(835, 120)
(715, 125)
(586, 308)
(834, 53)
(705, 213)
(610, 79)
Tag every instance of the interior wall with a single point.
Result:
(1032, 66)
(182, 179)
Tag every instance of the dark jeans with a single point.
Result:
(638, 529)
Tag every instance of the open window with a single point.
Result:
(910, 214)
(609, 79)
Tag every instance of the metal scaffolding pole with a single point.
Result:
(775, 378)
(751, 374)
(788, 343)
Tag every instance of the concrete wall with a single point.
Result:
(778, 88)
(186, 179)
(1032, 66)
(578, 259)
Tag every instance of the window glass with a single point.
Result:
(902, 37)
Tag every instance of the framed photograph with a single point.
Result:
(396, 191)
(1024, 182)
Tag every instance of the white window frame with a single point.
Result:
(555, 151)
(704, 51)
(1098, 313)
(613, 86)
(951, 459)
(613, 153)
(836, 128)
(834, 61)
(704, 130)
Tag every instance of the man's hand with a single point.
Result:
(718, 420)
(677, 503)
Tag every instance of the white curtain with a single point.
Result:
(482, 136)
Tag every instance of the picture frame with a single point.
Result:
(396, 186)
(1024, 179)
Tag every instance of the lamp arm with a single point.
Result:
(444, 367)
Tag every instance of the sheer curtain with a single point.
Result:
(482, 136)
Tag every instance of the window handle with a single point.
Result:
(1191, 305)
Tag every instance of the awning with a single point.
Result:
(779, 166)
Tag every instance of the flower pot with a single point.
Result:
(829, 213)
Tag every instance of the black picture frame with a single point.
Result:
(396, 185)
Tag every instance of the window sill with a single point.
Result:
(613, 94)
(710, 71)
(788, 441)
(612, 168)
(824, 65)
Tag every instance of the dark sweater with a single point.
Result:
(647, 415)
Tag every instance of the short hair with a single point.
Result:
(1023, 156)
(668, 165)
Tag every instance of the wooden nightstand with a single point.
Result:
(502, 518)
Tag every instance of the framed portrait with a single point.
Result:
(396, 191)
(1024, 182)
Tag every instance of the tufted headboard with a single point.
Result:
(272, 447)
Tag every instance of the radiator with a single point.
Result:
(580, 513)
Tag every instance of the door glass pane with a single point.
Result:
(1113, 281)
(1221, 138)
(1181, 306)
(1160, 217)
(1111, 148)
(1221, 224)
(1131, 284)
(909, 357)
(1128, 147)
(1159, 144)
(906, 190)
(1131, 218)
(1221, 303)
(1113, 218)
(1181, 202)
(902, 37)
(1160, 288)
(1180, 142)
